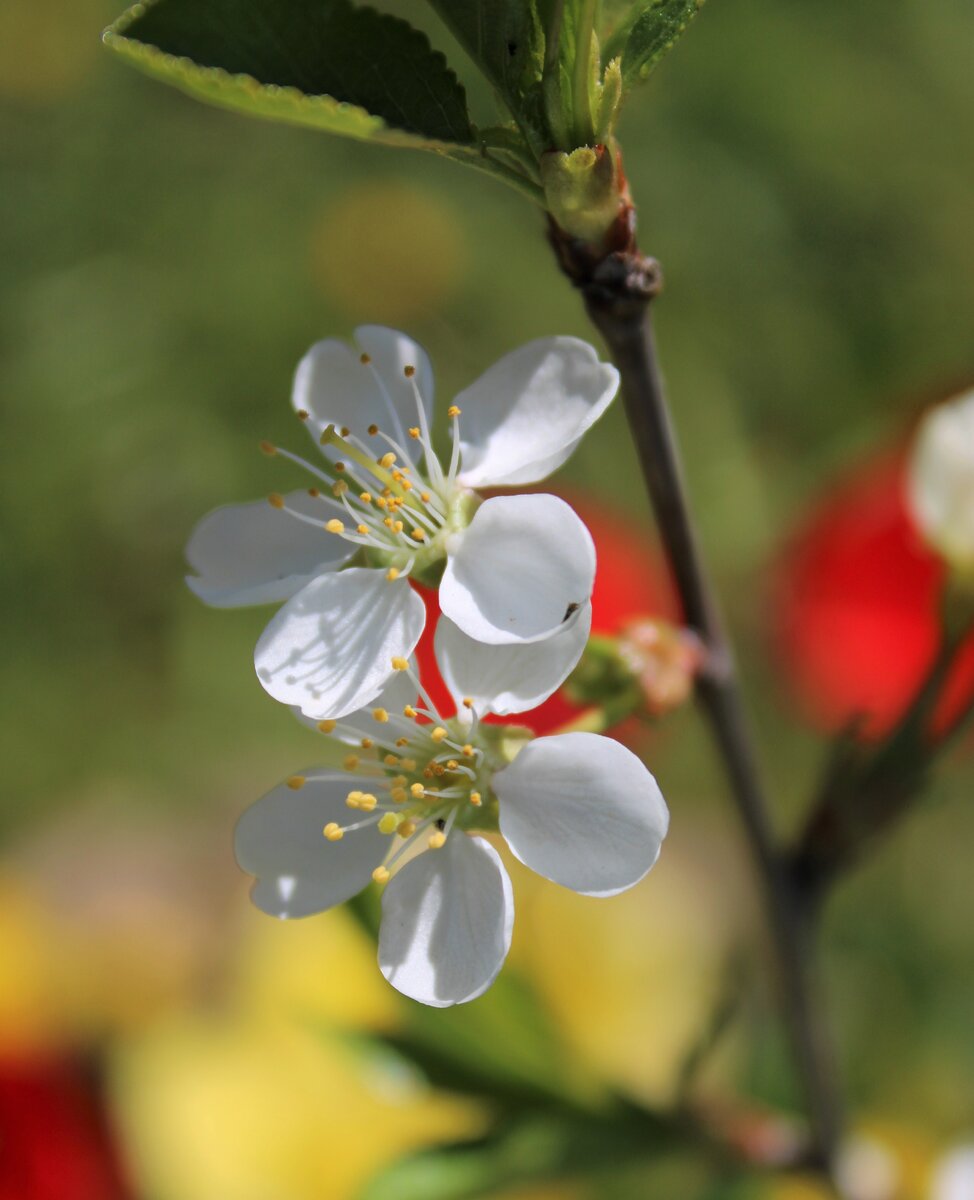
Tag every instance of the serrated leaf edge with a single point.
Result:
(179, 69)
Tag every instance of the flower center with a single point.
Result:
(402, 515)
(416, 775)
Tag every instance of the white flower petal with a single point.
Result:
(256, 554)
(524, 416)
(335, 387)
(299, 872)
(953, 1178)
(397, 693)
(512, 678)
(329, 650)
(523, 569)
(582, 811)
(447, 918)
(941, 479)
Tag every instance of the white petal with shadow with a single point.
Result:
(583, 811)
(447, 918)
(329, 650)
(526, 414)
(298, 871)
(256, 554)
(512, 678)
(523, 569)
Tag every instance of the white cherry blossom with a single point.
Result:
(511, 570)
(415, 792)
(941, 480)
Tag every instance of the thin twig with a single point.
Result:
(617, 289)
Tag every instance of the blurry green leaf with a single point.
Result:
(452, 1047)
(536, 1147)
(646, 34)
(321, 63)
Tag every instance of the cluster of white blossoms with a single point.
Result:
(941, 481)
(514, 577)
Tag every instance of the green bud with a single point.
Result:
(583, 190)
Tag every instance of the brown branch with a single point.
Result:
(618, 287)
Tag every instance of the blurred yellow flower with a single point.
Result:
(631, 980)
(388, 251)
(218, 1109)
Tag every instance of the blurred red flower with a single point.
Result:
(55, 1143)
(854, 611)
(630, 581)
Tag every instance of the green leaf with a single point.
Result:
(650, 30)
(506, 41)
(320, 63)
(528, 1149)
(448, 1045)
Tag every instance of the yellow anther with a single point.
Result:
(354, 799)
(417, 790)
(403, 741)
(438, 734)
(268, 448)
(399, 781)
(414, 433)
(468, 702)
(399, 795)
(362, 529)
(345, 431)
(397, 527)
(453, 411)
(364, 359)
(333, 832)
(387, 521)
(427, 772)
(409, 372)
(380, 875)
(339, 466)
(392, 574)
(400, 664)
(439, 769)
(366, 497)
(406, 829)
(397, 476)
(381, 502)
(373, 430)
(452, 765)
(296, 782)
(327, 726)
(314, 492)
(468, 751)
(334, 526)
(407, 486)
(366, 743)
(408, 764)
(389, 823)
(425, 497)
(380, 715)
(275, 500)
(418, 535)
(339, 487)
(409, 711)
(437, 840)
(476, 799)
(391, 761)
(368, 802)
(387, 460)
(350, 762)
(302, 414)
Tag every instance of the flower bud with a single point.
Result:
(941, 482)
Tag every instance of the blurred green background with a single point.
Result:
(804, 171)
